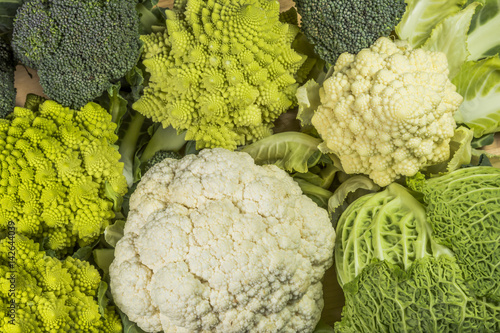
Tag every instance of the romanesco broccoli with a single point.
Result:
(56, 167)
(78, 47)
(338, 26)
(50, 295)
(7, 90)
(388, 110)
(222, 70)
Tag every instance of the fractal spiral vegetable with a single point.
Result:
(57, 165)
(222, 70)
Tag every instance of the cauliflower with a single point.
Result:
(216, 243)
(388, 111)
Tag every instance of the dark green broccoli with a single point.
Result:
(7, 90)
(79, 47)
(338, 26)
(160, 156)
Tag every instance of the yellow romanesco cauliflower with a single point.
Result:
(45, 295)
(59, 173)
(388, 110)
(222, 70)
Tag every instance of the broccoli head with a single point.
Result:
(7, 90)
(79, 47)
(50, 295)
(59, 173)
(160, 156)
(338, 26)
(222, 70)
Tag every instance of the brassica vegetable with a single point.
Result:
(389, 226)
(479, 84)
(463, 208)
(60, 176)
(484, 26)
(221, 71)
(78, 47)
(463, 33)
(423, 260)
(422, 16)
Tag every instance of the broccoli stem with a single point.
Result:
(128, 146)
(163, 139)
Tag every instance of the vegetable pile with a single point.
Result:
(222, 166)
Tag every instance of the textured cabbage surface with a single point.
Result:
(463, 208)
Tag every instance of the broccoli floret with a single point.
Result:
(50, 295)
(338, 26)
(7, 90)
(59, 173)
(78, 47)
(160, 156)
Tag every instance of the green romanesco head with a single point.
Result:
(50, 295)
(7, 90)
(338, 26)
(56, 166)
(78, 47)
(387, 111)
(222, 70)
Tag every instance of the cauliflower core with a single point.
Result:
(215, 243)
(388, 111)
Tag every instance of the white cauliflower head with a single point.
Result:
(215, 243)
(388, 111)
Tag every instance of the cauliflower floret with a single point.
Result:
(388, 111)
(226, 246)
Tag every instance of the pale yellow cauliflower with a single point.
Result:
(215, 243)
(388, 111)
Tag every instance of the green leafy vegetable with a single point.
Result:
(460, 153)
(317, 193)
(422, 16)
(389, 225)
(102, 300)
(463, 208)
(485, 140)
(308, 100)
(291, 151)
(479, 84)
(423, 262)
(431, 296)
(114, 232)
(103, 259)
(8, 9)
(347, 192)
(485, 25)
(450, 36)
